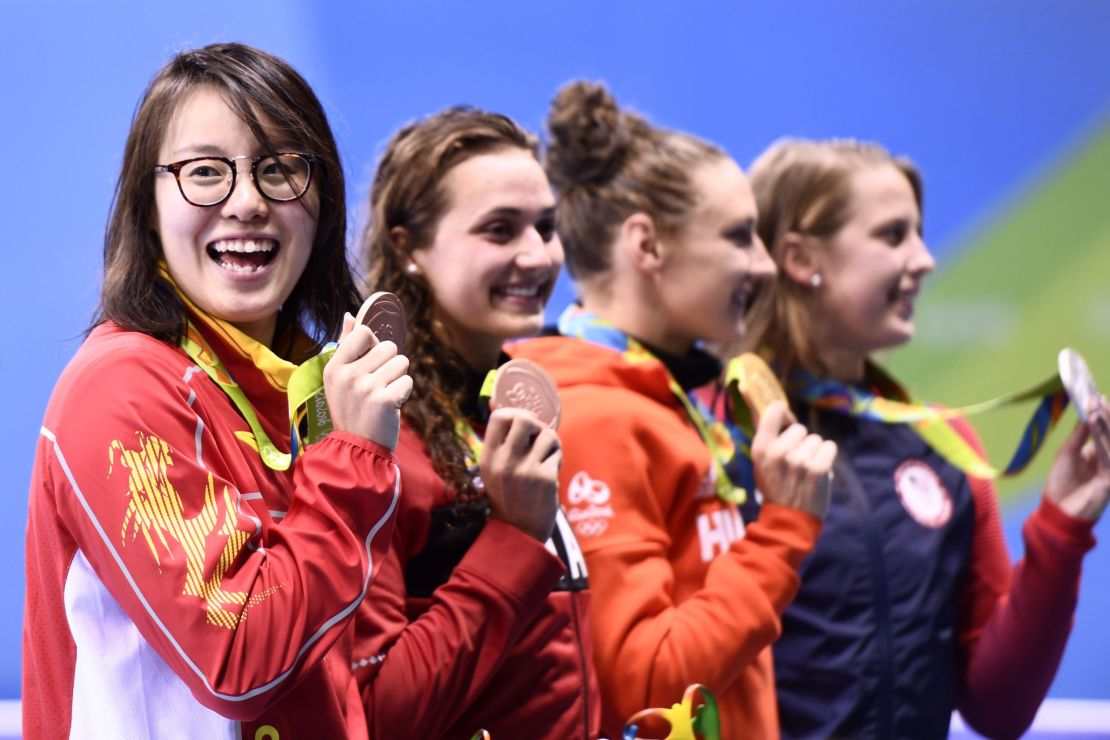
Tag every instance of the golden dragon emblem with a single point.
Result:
(155, 511)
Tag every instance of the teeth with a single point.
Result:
(244, 245)
(240, 268)
(521, 291)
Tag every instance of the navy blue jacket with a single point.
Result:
(869, 645)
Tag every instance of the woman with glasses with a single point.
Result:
(189, 574)
(659, 228)
(909, 606)
(479, 619)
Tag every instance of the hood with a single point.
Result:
(572, 361)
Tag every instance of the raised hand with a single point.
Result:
(1079, 481)
(792, 467)
(520, 469)
(366, 383)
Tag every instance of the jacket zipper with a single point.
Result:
(880, 587)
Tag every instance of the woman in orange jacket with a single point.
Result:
(659, 229)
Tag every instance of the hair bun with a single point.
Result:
(588, 135)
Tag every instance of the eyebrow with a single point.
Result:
(513, 213)
(200, 150)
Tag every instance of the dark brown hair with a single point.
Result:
(805, 187)
(607, 164)
(407, 194)
(281, 111)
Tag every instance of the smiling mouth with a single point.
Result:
(521, 292)
(243, 255)
(742, 301)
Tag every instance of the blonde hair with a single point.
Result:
(804, 187)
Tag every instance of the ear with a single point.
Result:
(800, 259)
(399, 235)
(639, 242)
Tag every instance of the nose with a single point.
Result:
(536, 254)
(245, 202)
(762, 268)
(921, 261)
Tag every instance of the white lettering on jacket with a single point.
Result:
(717, 530)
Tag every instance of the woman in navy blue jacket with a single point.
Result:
(909, 605)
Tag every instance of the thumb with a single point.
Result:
(348, 324)
(1074, 443)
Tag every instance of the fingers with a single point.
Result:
(498, 426)
(550, 467)
(1098, 425)
(773, 420)
(399, 390)
(544, 445)
(825, 457)
(354, 344)
(524, 428)
(1075, 440)
(787, 442)
(511, 429)
(348, 324)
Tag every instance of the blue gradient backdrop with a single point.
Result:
(985, 96)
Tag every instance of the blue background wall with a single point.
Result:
(990, 100)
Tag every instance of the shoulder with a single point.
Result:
(122, 384)
(115, 364)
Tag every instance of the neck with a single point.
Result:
(479, 351)
(640, 318)
(845, 366)
(260, 331)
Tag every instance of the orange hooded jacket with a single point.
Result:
(682, 591)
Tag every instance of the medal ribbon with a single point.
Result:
(577, 322)
(466, 432)
(305, 389)
(197, 348)
(931, 423)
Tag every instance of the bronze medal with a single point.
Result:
(384, 314)
(522, 384)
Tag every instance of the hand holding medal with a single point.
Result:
(522, 384)
(1079, 481)
(384, 314)
(793, 468)
(521, 454)
(757, 384)
(1080, 386)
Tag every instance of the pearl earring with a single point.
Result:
(411, 268)
(815, 280)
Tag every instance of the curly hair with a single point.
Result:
(407, 196)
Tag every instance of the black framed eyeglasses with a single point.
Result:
(209, 181)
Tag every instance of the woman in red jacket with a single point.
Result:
(479, 619)
(185, 576)
(659, 228)
(909, 606)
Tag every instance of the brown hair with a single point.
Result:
(805, 187)
(281, 111)
(407, 193)
(607, 164)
